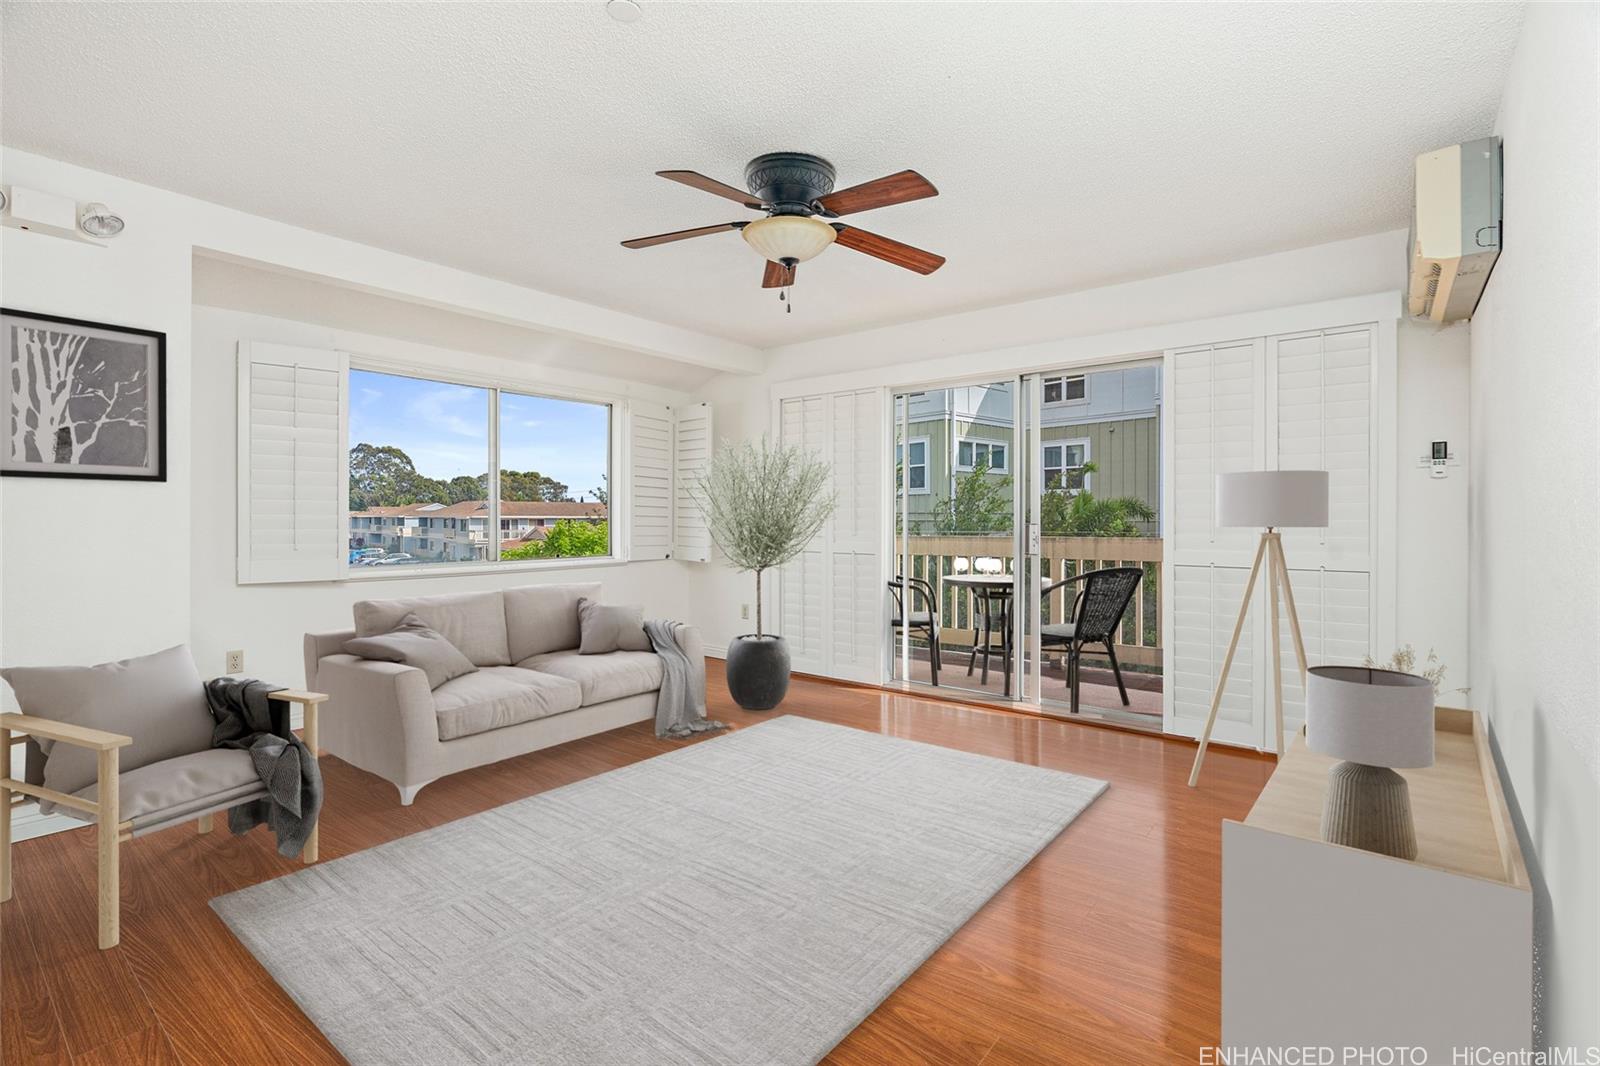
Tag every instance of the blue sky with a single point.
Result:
(445, 429)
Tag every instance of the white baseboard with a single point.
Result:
(27, 823)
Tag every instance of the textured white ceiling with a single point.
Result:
(1073, 144)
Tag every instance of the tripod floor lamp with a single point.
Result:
(1270, 500)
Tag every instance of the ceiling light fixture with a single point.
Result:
(623, 10)
(789, 239)
(98, 221)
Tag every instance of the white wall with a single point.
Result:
(1535, 609)
(99, 570)
(267, 621)
(1306, 275)
(1192, 307)
(1431, 513)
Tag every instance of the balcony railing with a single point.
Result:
(1139, 644)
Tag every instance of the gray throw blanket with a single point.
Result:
(681, 703)
(245, 719)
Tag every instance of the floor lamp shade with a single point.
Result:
(1274, 499)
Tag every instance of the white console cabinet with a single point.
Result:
(1329, 946)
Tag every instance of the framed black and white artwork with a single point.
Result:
(82, 399)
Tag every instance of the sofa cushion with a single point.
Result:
(602, 677)
(475, 622)
(412, 642)
(604, 628)
(174, 788)
(499, 696)
(158, 700)
(541, 618)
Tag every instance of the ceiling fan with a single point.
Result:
(795, 190)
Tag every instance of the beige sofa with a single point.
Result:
(532, 688)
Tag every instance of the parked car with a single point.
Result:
(366, 556)
(398, 559)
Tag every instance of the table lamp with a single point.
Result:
(1270, 500)
(1374, 720)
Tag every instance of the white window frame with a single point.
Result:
(617, 410)
(926, 464)
(1065, 401)
(1005, 446)
(1063, 443)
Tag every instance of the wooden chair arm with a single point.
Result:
(292, 695)
(76, 735)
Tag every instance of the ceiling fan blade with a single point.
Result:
(888, 250)
(777, 276)
(713, 186)
(680, 235)
(898, 188)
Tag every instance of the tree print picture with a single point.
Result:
(82, 399)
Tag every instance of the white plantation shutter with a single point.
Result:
(650, 462)
(832, 600)
(802, 586)
(803, 581)
(691, 459)
(1294, 402)
(1323, 385)
(1204, 608)
(1216, 418)
(1323, 420)
(855, 607)
(294, 474)
(1335, 609)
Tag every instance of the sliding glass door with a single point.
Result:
(1027, 541)
(1093, 620)
(957, 494)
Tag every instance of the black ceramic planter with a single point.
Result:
(758, 671)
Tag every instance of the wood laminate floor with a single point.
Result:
(1105, 949)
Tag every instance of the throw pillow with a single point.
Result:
(412, 642)
(603, 629)
(158, 700)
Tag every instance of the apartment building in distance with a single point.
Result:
(460, 532)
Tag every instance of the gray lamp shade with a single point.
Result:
(1277, 498)
(1368, 716)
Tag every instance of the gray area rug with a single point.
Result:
(748, 899)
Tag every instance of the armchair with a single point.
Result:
(170, 776)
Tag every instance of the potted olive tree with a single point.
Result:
(762, 506)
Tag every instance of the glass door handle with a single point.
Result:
(1033, 538)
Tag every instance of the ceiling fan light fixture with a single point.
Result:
(794, 238)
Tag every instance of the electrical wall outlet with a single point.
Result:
(235, 662)
(744, 611)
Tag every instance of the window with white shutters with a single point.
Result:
(293, 478)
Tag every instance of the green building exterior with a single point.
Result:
(1111, 418)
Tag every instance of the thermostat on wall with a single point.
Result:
(1438, 458)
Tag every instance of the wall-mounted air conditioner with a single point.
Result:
(1455, 229)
